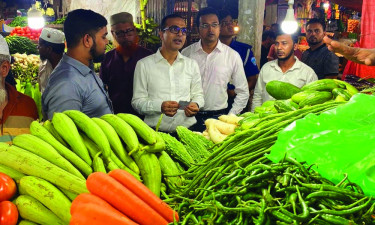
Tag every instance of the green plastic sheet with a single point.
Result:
(336, 142)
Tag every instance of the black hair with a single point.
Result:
(269, 34)
(315, 20)
(223, 13)
(294, 36)
(80, 22)
(205, 11)
(171, 16)
(56, 48)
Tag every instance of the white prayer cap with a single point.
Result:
(4, 49)
(52, 35)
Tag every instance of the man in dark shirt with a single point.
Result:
(117, 69)
(268, 38)
(318, 57)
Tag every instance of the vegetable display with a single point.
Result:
(32, 34)
(18, 44)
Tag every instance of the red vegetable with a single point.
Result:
(108, 189)
(144, 194)
(7, 187)
(8, 213)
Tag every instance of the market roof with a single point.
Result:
(355, 5)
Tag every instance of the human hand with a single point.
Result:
(357, 55)
(169, 108)
(191, 109)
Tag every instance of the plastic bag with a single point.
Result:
(338, 141)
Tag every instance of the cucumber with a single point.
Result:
(14, 174)
(38, 130)
(41, 148)
(69, 132)
(285, 105)
(49, 126)
(168, 167)
(316, 98)
(31, 209)
(300, 96)
(141, 128)
(320, 85)
(150, 170)
(68, 194)
(26, 222)
(341, 92)
(98, 163)
(281, 90)
(350, 88)
(31, 164)
(48, 195)
(159, 146)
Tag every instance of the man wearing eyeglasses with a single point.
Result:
(247, 56)
(117, 69)
(168, 82)
(318, 57)
(219, 64)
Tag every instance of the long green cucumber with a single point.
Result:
(38, 130)
(26, 222)
(141, 128)
(98, 163)
(69, 132)
(115, 142)
(48, 195)
(31, 164)
(69, 194)
(169, 167)
(14, 174)
(49, 126)
(31, 209)
(150, 170)
(41, 148)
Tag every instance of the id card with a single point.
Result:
(183, 104)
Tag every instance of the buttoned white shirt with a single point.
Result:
(156, 81)
(299, 75)
(217, 69)
(45, 70)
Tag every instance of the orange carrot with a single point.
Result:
(93, 214)
(108, 189)
(140, 190)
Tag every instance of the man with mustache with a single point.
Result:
(168, 82)
(73, 84)
(117, 69)
(51, 49)
(318, 57)
(219, 64)
(286, 68)
(17, 110)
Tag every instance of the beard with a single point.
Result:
(3, 92)
(128, 49)
(314, 41)
(96, 56)
(286, 57)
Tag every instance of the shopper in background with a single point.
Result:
(219, 64)
(51, 49)
(16, 109)
(286, 68)
(268, 39)
(247, 56)
(73, 84)
(168, 82)
(318, 57)
(117, 68)
(357, 55)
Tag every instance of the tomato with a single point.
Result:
(7, 187)
(8, 213)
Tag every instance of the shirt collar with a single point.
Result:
(159, 57)
(82, 68)
(296, 65)
(198, 46)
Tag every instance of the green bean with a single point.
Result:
(345, 211)
(280, 216)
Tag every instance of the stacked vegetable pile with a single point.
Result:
(32, 34)
(237, 184)
(20, 45)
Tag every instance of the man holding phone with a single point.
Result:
(168, 82)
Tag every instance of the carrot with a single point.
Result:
(140, 190)
(93, 214)
(110, 190)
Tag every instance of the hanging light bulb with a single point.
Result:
(35, 18)
(289, 25)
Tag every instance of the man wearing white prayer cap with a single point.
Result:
(51, 48)
(16, 109)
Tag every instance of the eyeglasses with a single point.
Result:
(176, 30)
(227, 23)
(206, 25)
(122, 33)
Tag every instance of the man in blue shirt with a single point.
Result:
(73, 84)
(244, 50)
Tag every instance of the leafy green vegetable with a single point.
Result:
(19, 21)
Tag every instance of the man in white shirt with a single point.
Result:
(286, 68)
(218, 65)
(51, 48)
(168, 82)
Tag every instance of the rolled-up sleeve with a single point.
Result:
(141, 101)
(196, 90)
(241, 86)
